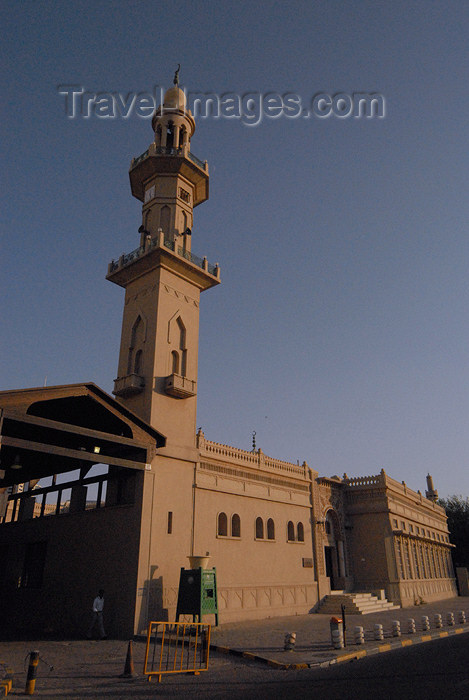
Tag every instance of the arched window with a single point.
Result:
(182, 133)
(328, 527)
(170, 135)
(138, 362)
(182, 334)
(177, 347)
(300, 532)
(135, 329)
(174, 362)
(165, 218)
(416, 562)
(158, 135)
(222, 526)
(290, 531)
(259, 529)
(235, 525)
(182, 346)
(270, 529)
(136, 337)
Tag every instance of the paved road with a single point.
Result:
(435, 670)
(438, 669)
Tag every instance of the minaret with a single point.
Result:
(157, 372)
(431, 493)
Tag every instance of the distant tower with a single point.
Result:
(157, 372)
(431, 493)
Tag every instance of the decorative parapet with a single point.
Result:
(382, 480)
(255, 459)
(159, 241)
(181, 151)
(417, 496)
(367, 481)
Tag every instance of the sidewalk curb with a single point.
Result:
(391, 646)
(255, 657)
(341, 658)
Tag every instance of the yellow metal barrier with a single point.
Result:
(176, 647)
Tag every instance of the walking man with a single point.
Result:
(98, 605)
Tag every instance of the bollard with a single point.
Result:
(337, 639)
(379, 636)
(438, 621)
(396, 628)
(450, 619)
(358, 635)
(337, 632)
(411, 626)
(205, 647)
(462, 617)
(425, 623)
(290, 641)
(32, 672)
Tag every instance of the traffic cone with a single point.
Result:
(129, 671)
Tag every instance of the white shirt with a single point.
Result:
(98, 604)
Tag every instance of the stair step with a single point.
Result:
(354, 603)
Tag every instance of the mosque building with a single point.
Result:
(117, 493)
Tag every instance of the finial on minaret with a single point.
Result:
(254, 440)
(176, 75)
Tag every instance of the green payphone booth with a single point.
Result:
(197, 594)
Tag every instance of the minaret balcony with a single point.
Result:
(180, 387)
(159, 250)
(168, 151)
(129, 385)
(169, 160)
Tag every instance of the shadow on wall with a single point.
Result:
(152, 609)
(25, 617)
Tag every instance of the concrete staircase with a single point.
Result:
(355, 604)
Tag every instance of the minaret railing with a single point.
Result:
(168, 151)
(128, 258)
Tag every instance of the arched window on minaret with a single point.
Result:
(158, 135)
(182, 136)
(184, 229)
(147, 223)
(177, 346)
(138, 362)
(165, 217)
(170, 135)
(182, 345)
(174, 362)
(135, 352)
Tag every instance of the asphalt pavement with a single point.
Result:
(86, 669)
(263, 640)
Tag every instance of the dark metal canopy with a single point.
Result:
(58, 429)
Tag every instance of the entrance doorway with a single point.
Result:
(329, 553)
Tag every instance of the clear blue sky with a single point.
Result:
(341, 332)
